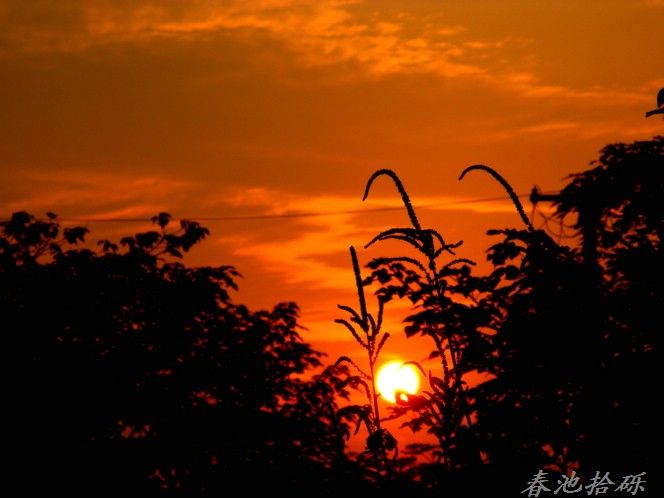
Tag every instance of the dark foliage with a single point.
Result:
(566, 334)
(132, 373)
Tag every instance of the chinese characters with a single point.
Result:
(599, 484)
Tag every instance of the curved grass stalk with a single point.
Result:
(402, 192)
(506, 186)
(423, 241)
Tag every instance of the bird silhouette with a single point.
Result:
(660, 104)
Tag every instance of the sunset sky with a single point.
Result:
(122, 109)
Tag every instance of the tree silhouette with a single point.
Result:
(625, 236)
(130, 371)
(565, 334)
(133, 372)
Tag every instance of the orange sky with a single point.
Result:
(244, 107)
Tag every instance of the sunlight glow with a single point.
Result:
(393, 377)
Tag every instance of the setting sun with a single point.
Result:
(393, 377)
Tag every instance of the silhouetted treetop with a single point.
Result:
(565, 335)
(132, 371)
(158, 383)
(621, 196)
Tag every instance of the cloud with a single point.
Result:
(551, 127)
(312, 34)
(321, 32)
(78, 193)
(302, 255)
(313, 250)
(529, 85)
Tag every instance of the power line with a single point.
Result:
(304, 214)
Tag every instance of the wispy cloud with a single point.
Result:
(315, 250)
(96, 194)
(314, 33)
(608, 130)
(527, 84)
(318, 32)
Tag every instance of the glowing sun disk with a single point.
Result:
(393, 377)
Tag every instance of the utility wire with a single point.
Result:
(305, 214)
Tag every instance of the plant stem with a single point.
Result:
(451, 344)
(383, 455)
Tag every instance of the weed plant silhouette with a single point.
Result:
(366, 330)
(564, 334)
(458, 311)
(428, 284)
